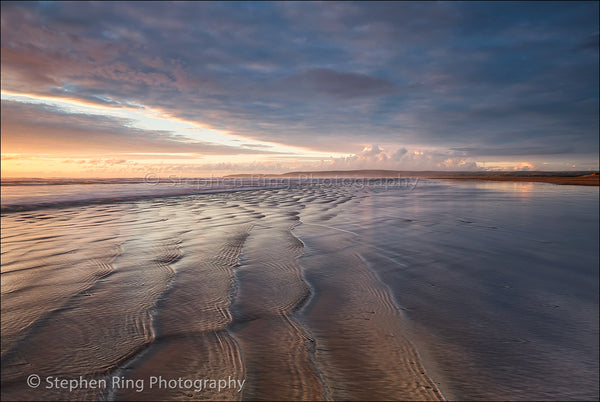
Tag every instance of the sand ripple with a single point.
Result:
(260, 286)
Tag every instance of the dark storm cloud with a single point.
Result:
(337, 84)
(510, 76)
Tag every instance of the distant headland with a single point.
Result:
(582, 178)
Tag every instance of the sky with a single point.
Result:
(123, 89)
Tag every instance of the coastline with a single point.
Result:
(584, 178)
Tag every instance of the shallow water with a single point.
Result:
(309, 290)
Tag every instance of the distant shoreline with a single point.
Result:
(583, 178)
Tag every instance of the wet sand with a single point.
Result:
(360, 291)
(212, 287)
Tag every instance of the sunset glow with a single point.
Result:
(113, 90)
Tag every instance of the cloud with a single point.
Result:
(337, 84)
(524, 166)
(370, 152)
(515, 151)
(399, 154)
(28, 128)
(482, 78)
(374, 157)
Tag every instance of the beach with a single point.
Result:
(308, 289)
